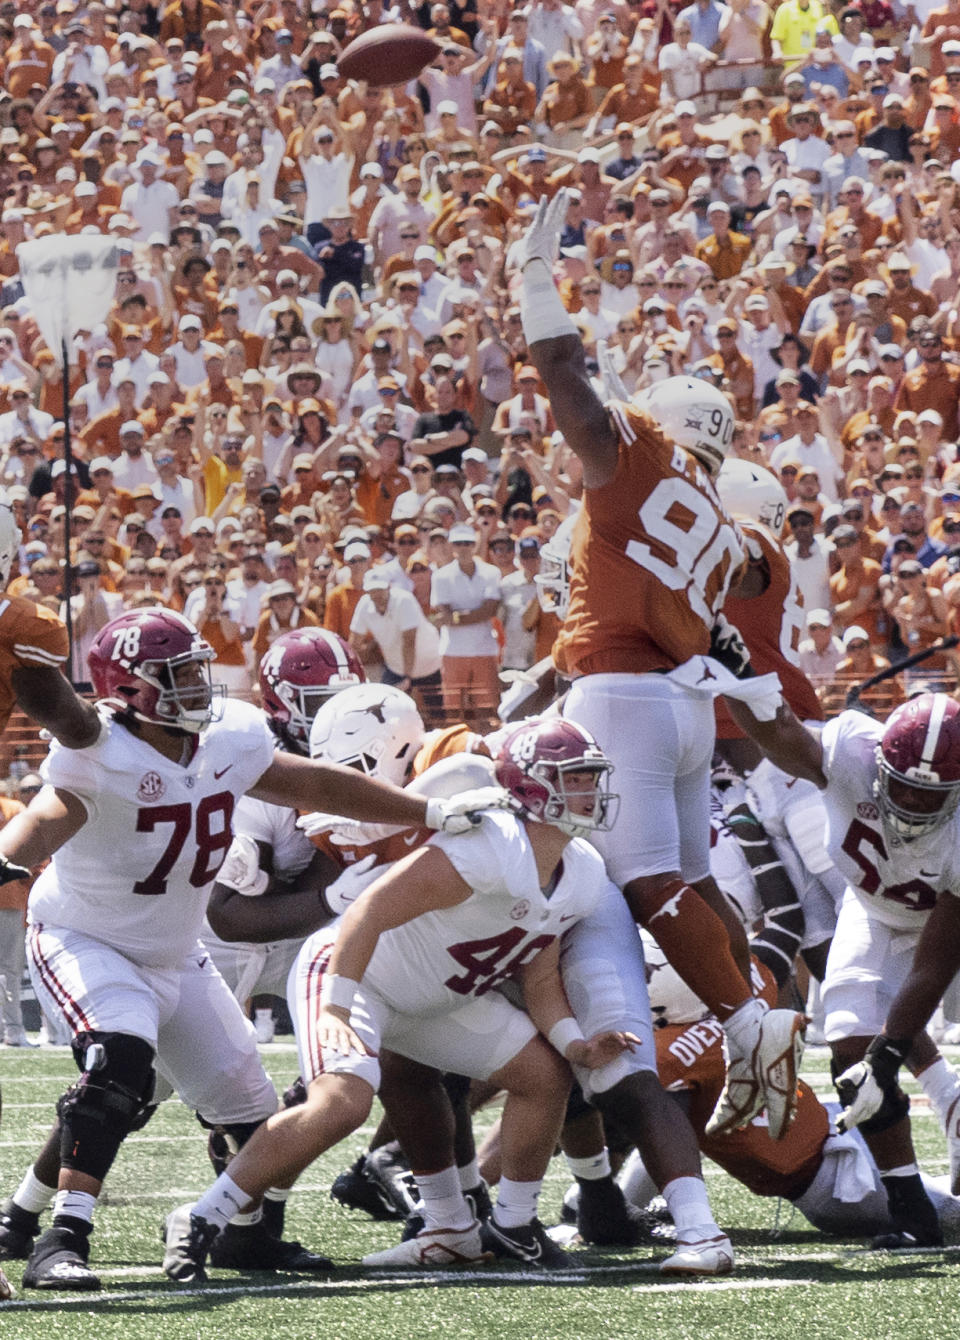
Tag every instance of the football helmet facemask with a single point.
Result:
(137, 663)
(373, 727)
(535, 762)
(694, 414)
(553, 579)
(300, 671)
(920, 750)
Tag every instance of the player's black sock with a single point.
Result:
(912, 1210)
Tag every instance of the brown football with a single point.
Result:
(391, 53)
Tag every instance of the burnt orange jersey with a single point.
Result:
(29, 635)
(772, 627)
(457, 739)
(690, 1057)
(652, 556)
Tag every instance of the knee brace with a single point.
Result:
(110, 1099)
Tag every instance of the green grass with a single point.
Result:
(790, 1283)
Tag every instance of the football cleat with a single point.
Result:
(187, 1239)
(477, 1198)
(59, 1261)
(603, 1216)
(702, 1256)
(777, 1064)
(741, 1098)
(432, 1248)
(18, 1228)
(358, 1189)
(527, 1243)
(953, 1148)
(251, 1247)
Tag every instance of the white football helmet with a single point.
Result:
(553, 579)
(373, 727)
(694, 414)
(9, 540)
(752, 493)
(671, 1000)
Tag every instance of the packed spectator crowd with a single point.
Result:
(311, 401)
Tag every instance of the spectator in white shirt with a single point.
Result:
(821, 652)
(408, 642)
(137, 363)
(23, 420)
(465, 596)
(326, 165)
(173, 490)
(151, 201)
(190, 351)
(133, 466)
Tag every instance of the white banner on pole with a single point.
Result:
(69, 283)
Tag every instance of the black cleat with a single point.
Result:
(478, 1198)
(250, 1247)
(604, 1217)
(527, 1243)
(274, 1215)
(358, 1189)
(59, 1261)
(18, 1228)
(188, 1239)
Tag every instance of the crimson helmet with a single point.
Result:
(533, 763)
(299, 673)
(920, 749)
(134, 662)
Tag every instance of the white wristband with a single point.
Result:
(436, 813)
(337, 992)
(563, 1033)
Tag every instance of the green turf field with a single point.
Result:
(790, 1282)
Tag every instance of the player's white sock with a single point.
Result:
(469, 1174)
(941, 1083)
(516, 1202)
(33, 1195)
(277, 1193)
(689, 1208)
(590, 1169)
(74, 1205)
(249, 1219)
(441, 1196)
(222, 1202)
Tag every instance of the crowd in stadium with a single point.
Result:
(313, 375)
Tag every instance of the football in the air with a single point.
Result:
(391, 53)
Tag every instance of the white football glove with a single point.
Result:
(461, 813)
(347, 888)
(318, 822)
(861, 1095)
(541, 241)
(241, 868)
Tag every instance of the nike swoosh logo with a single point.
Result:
(409, 841)
(929, 874)
(218, 775)
(570, 917)
(792, 782)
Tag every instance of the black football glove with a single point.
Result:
(869, 1090)
(729, 648)
(10, 872)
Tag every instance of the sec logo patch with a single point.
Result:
(151, 788)
(867, 810)
(519, 910)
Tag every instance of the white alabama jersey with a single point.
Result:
(139, 871)
(437, 961)
(275, 825)
(898, 882)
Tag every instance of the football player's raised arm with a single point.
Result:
(556, 349)
(49, 699)
(34, 834)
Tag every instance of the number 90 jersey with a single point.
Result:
(138, 873)
(652, 558)
(898, 883)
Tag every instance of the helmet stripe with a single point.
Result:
(336, 646)
(937, 712)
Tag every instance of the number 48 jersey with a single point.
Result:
(899, 883)
(138, 873)
(652, 558)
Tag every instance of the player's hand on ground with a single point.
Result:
(334, 1034)
(458, 814)
(541, 241)
(601, 1048)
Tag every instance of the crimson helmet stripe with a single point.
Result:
(931, 740)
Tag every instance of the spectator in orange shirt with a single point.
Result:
(344, 599)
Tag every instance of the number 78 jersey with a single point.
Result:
(652, 558)
(138, 873)
(899, 883)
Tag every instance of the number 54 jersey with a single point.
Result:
(652, 558)
(898, 882)
(138, 873)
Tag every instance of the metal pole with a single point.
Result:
(68, 498)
